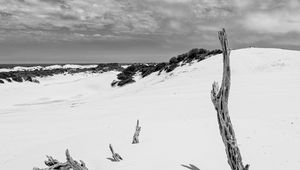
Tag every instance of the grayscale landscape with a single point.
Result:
(149, 84)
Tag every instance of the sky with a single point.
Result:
(88, 31)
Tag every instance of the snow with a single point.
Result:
(83, 113)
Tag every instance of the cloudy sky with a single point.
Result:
(139, 30)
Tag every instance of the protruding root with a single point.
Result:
(115, 156)
(136, 133)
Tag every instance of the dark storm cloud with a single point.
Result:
(176, 25)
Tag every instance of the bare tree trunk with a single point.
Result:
(219, 98)
(71, 164)
(137, 133)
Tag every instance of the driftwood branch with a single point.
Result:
(219, 97)
(71, 164)
(51, 161)
(115, 156)
(74, 164)
(136, 133)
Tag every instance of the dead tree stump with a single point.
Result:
(71, 164)
(51, 161)
(115, 156)
(74, 164)
(136, 133)
(219, 97)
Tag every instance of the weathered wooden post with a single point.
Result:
(219, 98)
(136, 133)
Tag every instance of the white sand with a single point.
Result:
(179, 125)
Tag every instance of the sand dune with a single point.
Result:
(84, 113)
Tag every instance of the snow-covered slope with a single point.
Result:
(85, 114)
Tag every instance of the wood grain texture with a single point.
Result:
(219, 97)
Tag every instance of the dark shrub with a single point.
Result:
(122, 76)
(124, 82)
(202, 51)
(181, 57)
(193, 53)
(108, 67)
(148, 71)
(215, 52)
(17, 78)
(130, 70)
(160, 66)
(173, 60)
(5, 75)
(171, 68)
